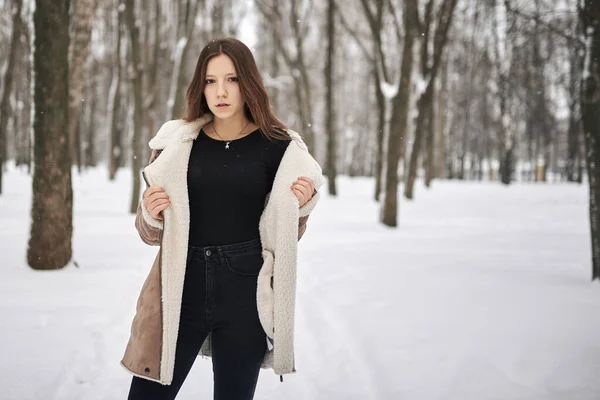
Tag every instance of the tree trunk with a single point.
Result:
(573, 146)
(114, 106)
(5, 110)
(506, 165)
(503, 57)
(52, 206)
(423, 105)
(136, 81)
(274, 68)
(425, 102)
(329, 100)
(440, 169)
(150, 104)
(399, 120)
(574, 129)
(90, 148)
(580, 158)
(380, 134)
(430, 146)
(177, 95)
(590, 107)
(78, 53)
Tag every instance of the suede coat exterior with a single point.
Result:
(150, 352)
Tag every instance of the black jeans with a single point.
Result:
(219, 296)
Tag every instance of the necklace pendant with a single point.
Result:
(227, 145)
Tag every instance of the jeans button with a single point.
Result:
(208, 253)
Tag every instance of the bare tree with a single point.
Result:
(429, 71)
(329, 100)
(589, 11)
(78, 53)
(114, 102)
(400, 108)
(187, 23)
(136, 73)
(382, 79)
(575, 156)
(52, 208)
(5, 110)
(151, 84)
(299, 23)
(89, 148)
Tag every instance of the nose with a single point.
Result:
(221, 91)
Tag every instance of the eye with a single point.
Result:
(234, 79)
(207, 81)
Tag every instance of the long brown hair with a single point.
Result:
(257, 106)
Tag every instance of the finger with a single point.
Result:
(303, 183)
(300, 196)
(304, 178)
(157, 213)
(311, 186)
(158, 196)
(304, 189)
(310, 182)
(310, 190)
(153, 189)
(158, 203)
(297, 193)
(162, 207)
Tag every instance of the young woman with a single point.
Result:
(229, 192)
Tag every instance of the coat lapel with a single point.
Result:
(169, 171)
(279, 234)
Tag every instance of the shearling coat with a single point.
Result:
(150, 352)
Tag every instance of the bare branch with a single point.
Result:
(396, 20)
(354, 35)
(551, 28)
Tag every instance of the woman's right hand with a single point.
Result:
(155, 200)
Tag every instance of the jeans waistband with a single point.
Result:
(229, 250)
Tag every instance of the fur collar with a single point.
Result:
(183, 131)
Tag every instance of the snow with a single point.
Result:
(388, 90)
(483, 292)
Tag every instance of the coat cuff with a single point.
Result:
(310, 205)
(153, 222)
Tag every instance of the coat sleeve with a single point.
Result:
(150, 229)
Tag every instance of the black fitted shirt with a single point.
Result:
(227, 188)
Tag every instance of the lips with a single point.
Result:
(222, 105)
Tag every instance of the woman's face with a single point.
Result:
(222, 88)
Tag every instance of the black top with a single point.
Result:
(227, 188)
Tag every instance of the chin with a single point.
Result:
(224, 114)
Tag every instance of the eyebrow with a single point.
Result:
(212, 76)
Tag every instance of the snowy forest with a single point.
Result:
(467, 90)
(398, 101)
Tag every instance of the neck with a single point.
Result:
(230, 128)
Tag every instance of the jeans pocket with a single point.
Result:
(265, 295)
(246, 264)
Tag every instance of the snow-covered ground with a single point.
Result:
(483, 293)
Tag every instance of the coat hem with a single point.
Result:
(144, 377)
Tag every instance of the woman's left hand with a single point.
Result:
(304, 189)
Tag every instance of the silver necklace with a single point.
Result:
(229, 141)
